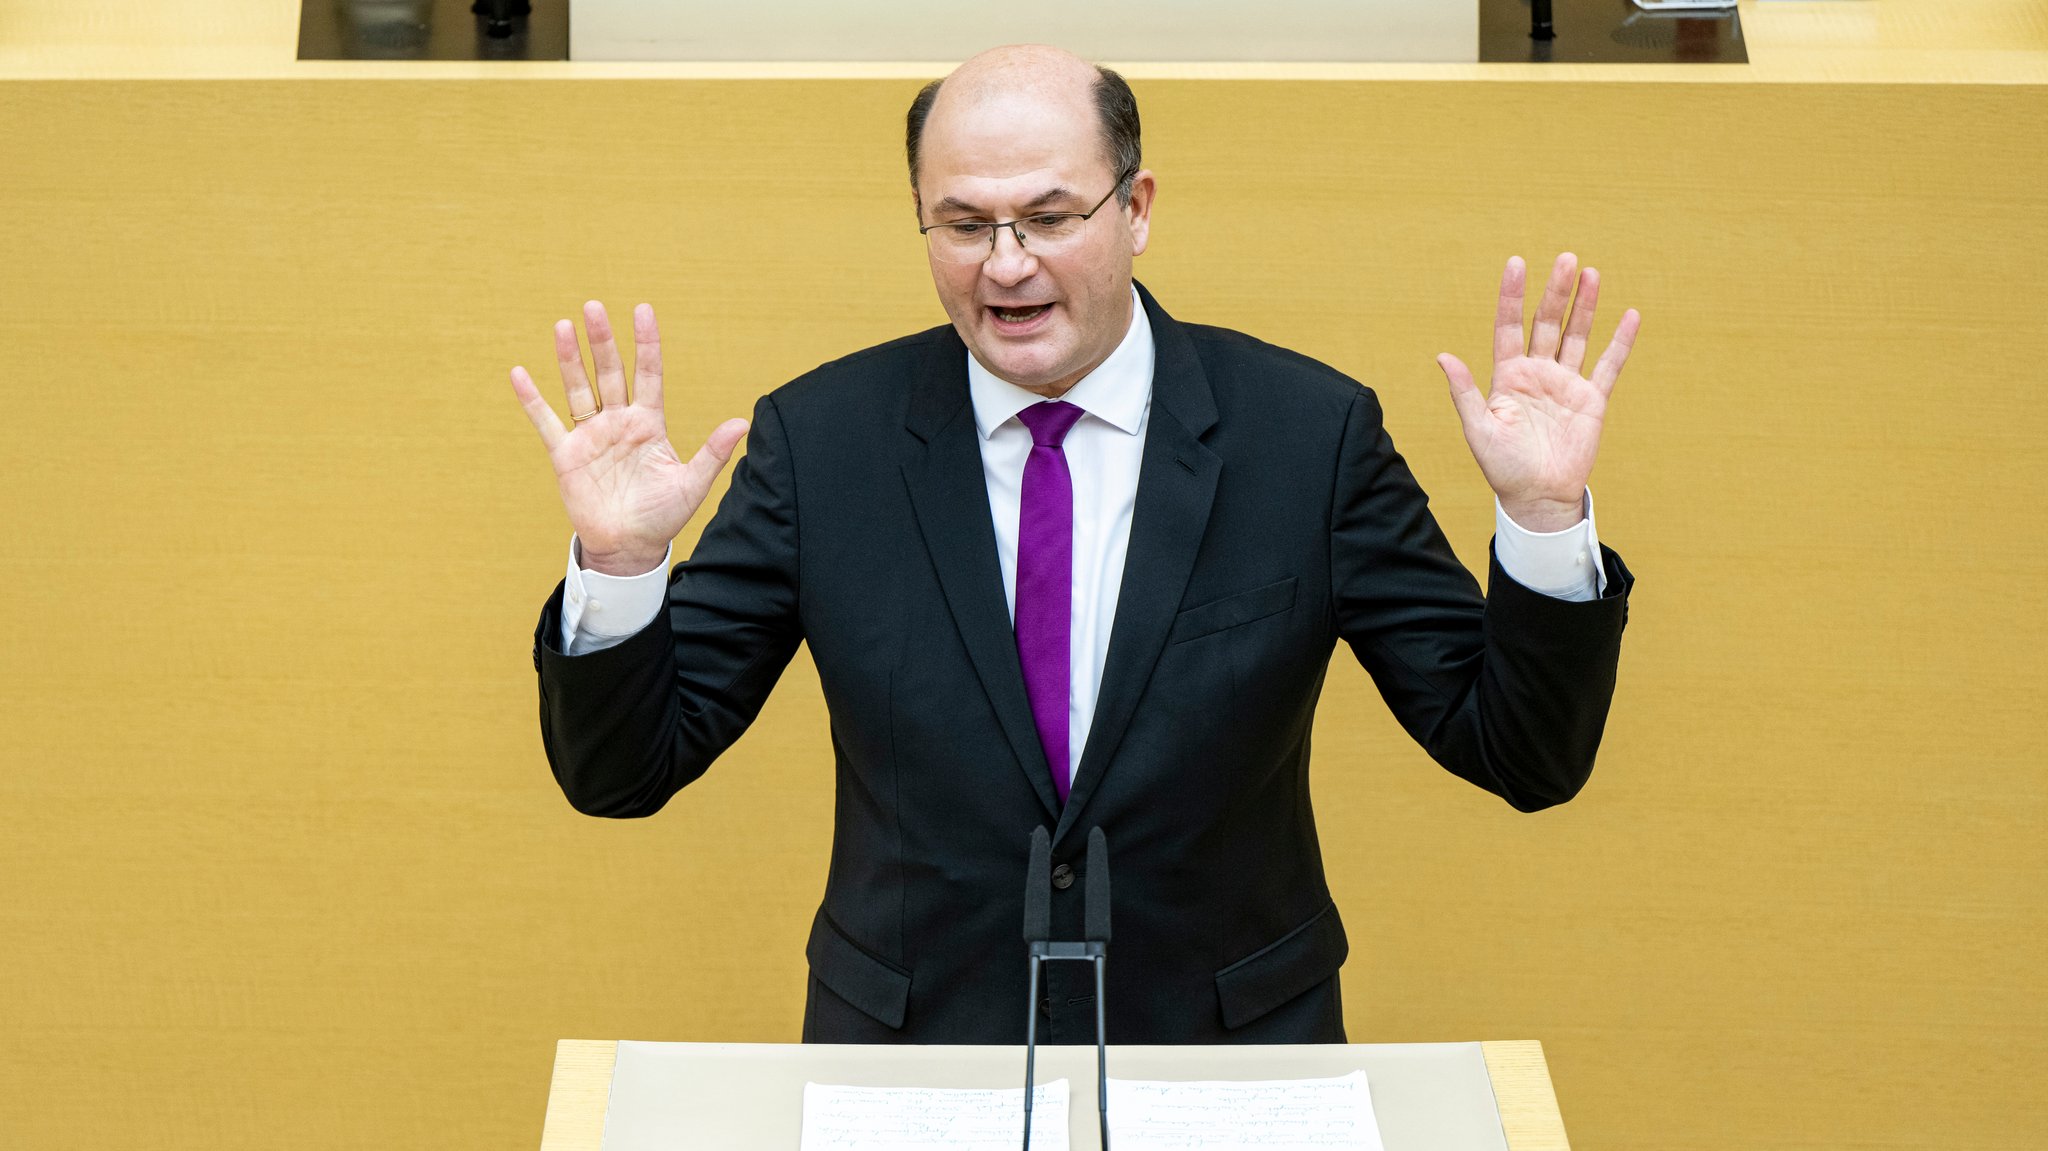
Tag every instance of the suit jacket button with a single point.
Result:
(1063, 877)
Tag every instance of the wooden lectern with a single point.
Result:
(745, 1095)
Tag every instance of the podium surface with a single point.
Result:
(751, 1094)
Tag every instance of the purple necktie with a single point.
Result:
(1045, 582)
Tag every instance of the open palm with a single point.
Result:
(626, 490)
(1537, 430)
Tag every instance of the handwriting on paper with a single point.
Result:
(1281, 1115)
(901, 1118)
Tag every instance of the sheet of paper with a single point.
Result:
(1279, 1115)
(897, 1118)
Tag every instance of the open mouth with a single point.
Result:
(1017, 317)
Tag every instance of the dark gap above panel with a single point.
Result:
(1609, 32)
(430, 30)
(1587, 31)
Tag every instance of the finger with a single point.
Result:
(1608, 370)
(1464, 392)
(569, 359)
(1557, 296)
(604, 355)
(713, 456)
(1507, 319)
(1580, 327)
(543, 417)
(646, 358)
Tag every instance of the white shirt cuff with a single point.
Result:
(599, 610)
(1562, 564)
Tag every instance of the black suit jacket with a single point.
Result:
(1273, 518)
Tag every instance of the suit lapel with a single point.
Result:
(1176, 485)
(950, 494)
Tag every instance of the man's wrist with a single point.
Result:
(1545, 515)
(1563, 564)
(624, 563)
(599, 609)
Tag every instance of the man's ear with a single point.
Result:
(1143, 189)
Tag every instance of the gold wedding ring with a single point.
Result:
(576, 419)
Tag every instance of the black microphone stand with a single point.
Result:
(1095, 949)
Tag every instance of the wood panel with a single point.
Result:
(281, 862)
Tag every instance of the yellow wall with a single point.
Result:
(281, 864)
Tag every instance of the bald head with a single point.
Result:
(1034, 68)
(1022, 85)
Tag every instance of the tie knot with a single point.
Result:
(1050, 423)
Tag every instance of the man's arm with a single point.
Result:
(628, 725)
(1509, 690)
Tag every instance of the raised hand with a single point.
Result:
(1537, 430)
(625, 489)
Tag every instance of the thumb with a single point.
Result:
(711, 459)
(725, 437)
(1464, 393)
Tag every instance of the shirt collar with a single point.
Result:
(1117, 392)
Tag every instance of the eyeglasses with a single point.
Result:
(1045, 234)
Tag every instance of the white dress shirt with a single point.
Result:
(1103, 452)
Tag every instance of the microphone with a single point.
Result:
(1038, 891)
(1097, 890)
(1041, 947)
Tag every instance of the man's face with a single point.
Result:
(1041, 321)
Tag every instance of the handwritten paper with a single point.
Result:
(1281, 1115)
(894, 1118)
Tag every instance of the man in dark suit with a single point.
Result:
(1068, 562)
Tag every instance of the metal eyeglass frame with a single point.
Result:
(998, 225)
